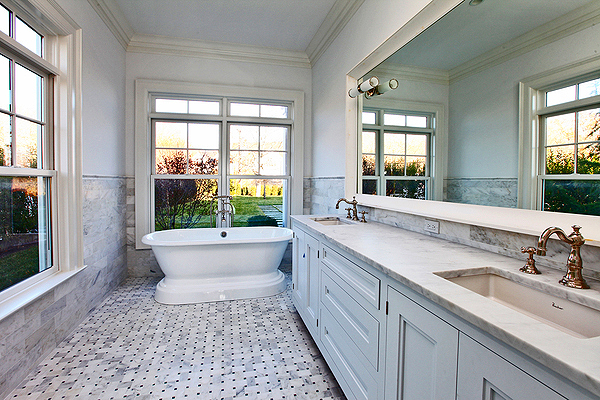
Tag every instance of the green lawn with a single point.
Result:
(248, 206)
(18, 266)
(245, 207)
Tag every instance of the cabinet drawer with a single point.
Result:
(361, 327)
(365, 284)
(350, 363)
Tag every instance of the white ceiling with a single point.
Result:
(280, 24)
(468, 32)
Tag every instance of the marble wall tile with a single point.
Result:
(31, 332)
(499, 192)
(321, 194)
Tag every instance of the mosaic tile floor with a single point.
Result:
(131, 347)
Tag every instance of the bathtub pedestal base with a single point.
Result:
(190, 291)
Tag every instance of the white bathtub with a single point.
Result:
(212, 264)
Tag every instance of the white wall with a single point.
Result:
(103, 93)
(484, 108)
(197, 70)
(374, 22)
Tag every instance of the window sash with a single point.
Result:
(380, 130)
(224, 175)
(38, 217)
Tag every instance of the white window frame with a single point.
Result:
(62, 50)
(145, 90)
(438, 149)
(380, 130)
(531, 106)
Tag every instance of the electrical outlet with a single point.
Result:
(432, 226)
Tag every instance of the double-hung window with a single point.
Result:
(569, 170)
(395, 148)
(208, 146)
(26, 159)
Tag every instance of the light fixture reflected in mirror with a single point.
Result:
(383, 88)
(364, 87)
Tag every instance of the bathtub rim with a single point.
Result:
(151, 240)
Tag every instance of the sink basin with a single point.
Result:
(573, 318)
(331, 221)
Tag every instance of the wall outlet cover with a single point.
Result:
(432, 226)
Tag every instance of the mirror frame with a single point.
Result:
(526, 221)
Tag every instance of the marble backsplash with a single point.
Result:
(497, 192)
(493, 240)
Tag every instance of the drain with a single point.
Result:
(223, 234)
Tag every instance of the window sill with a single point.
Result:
(28, 295)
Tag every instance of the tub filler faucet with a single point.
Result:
(352, 212)
(573, 278)
(223, 211)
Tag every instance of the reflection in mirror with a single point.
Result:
(520, 86)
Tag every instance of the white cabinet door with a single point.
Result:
(298, 267)
(421, 352)
(305, 281)
(482, 374)
(312, 288)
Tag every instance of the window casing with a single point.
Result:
(396, 153)
(206, 146)
(27, 172)
(568, 178)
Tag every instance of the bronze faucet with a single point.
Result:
(573, 278)
(353, 203)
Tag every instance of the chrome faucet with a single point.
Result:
(353, 203)
(223, 211)
(573, 278)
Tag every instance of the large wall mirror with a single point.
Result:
(451, 130)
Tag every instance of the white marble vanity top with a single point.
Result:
(412, 258)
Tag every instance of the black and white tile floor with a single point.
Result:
(132, 347)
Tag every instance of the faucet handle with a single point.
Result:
(349, 209)
(363, 219)
(529, 267)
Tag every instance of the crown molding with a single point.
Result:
(115, 20)
(573, 22)
(410, 73)
(336, 19)
(216, 50)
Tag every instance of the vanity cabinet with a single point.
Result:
(383, 340)
(305, 278)
(482, 374)
(351, 326)
(422, 350)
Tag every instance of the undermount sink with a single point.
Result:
(573, 318)
(331, 221)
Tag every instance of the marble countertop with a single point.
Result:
(412, 258)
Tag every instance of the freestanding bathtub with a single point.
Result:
(212, 264)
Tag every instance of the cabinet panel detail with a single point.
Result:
(351, 363)
(298, 277)
(365, 284)
(357, 322)
(306, 279)
(482, 374)
(421, 352)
